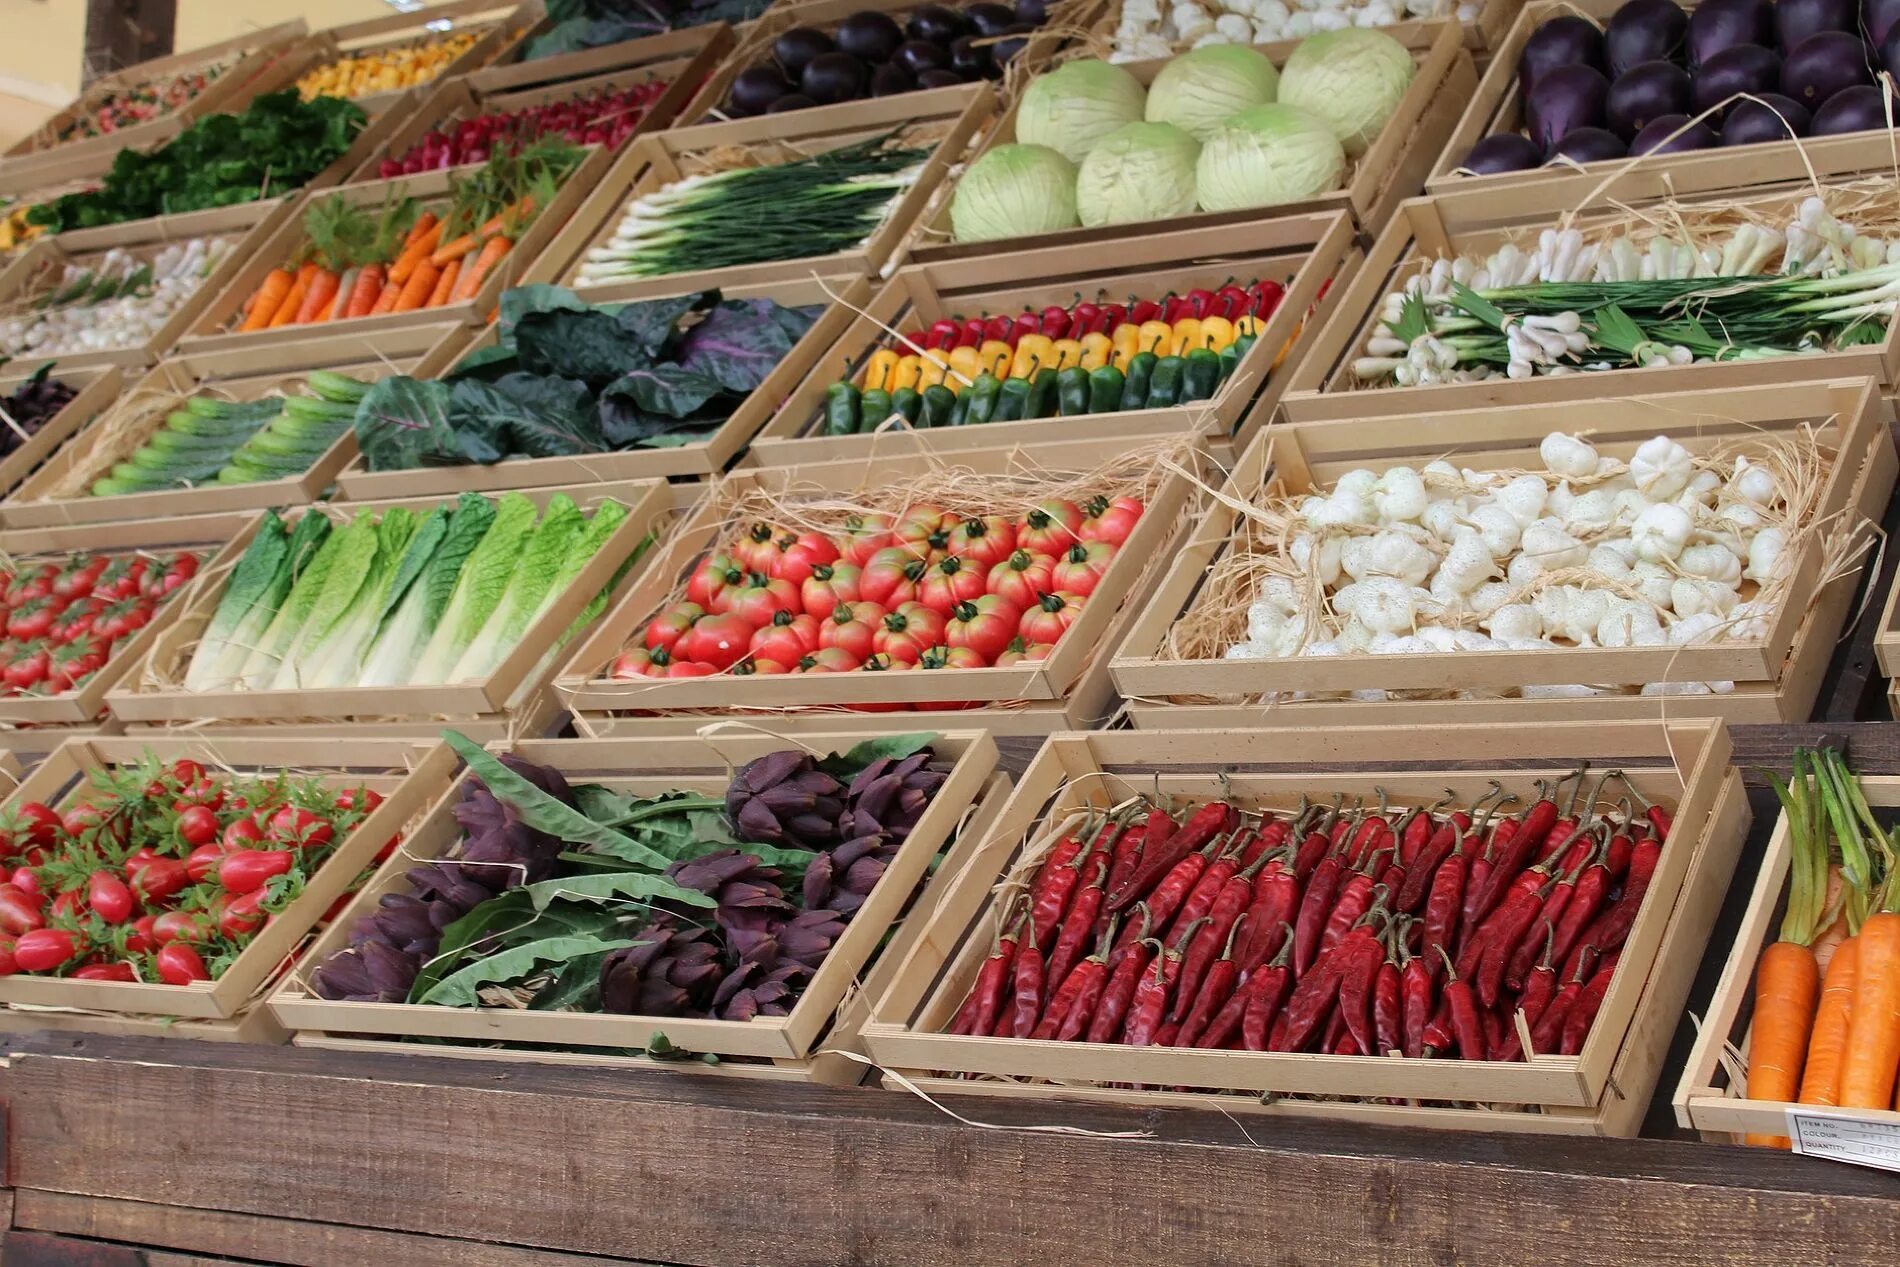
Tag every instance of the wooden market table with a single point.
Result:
(125, 1152)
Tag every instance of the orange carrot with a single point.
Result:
(515, 213)
(449, 252)
(267, 300)
(1873, 1031)
(444, 285)
(416, 291)
(363, 296)
(472, 279)
(286, 313)
(1827, 1047)
(423, 224)
(386, 300)
(318, 297)
(414, 254)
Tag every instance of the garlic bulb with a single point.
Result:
(1765, 554)
(1394, 554)
(1627, 623)
(1754, 483)
(1712, 561)
(1661, 532)
(1499, 528)
(1653, 579)
(1594, 511)
(1546, 541)
(1661, 468)
(1399, 495)
(1514, 620)
(1567, 455)
(1524, 498)
(1690, 597)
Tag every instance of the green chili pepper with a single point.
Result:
(939, 403)
(983, 395)
(1105, 390)
(873, 408)
(1011, 401)
(960, 411)
(1229, 360)
(1141, 368)
(1164, 387)
(906, 401)
(1072, 391)
(1201, 378)
(841, 409)
(1042, 395)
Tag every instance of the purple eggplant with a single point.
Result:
(1590, 145)
(1505, 152)
(1822, 65)
(1562, 41)
(1745, 68)
(1864, 108)
(1722, 24)
(1645, 92)
(1660, 137)
(1565, 98)
(1772, 118)
(1796, 20)
(1644, 31)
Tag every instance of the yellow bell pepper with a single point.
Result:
(1249, 325)
(967, 362)
(1186, 336)
(877, 374)
(931, 371)
(1096, 349)
(909, 368)
(1156, 337)
(1126, 339)
(1216, 332)
(1068, 352)
(994, 355)
(1033, 352)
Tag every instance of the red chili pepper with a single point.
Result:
(987, 994)
(971, 333)
(1079, 922)
(1254, 1006)
(1213, 991)
(1309, 1004)
(1207, 888)
(1276, 897)
(1088, 1000)
(1443, 906)
(1128, 846)
(1423, 868)
(1112, 316)
(1387, 1009)
(1515, 918)
(1415, 990)
(1547, 1033)
(1415, 830)
(1362, 957)
(1082, 314)
(1659, 818)
(1315, 845)
(1585, 901)
(1026, 986)
(1159, 860)
(1200, 301)
(1526, 840)
(1364, 838)
(1577, 1023)
(1355, 899)
(942, 336)
(1223, 913)
(1050, 894)
(1542, 928)
(1612, 927)
(1066, 1001)
(1437, 1036)
(1467, 1027)
(1539, 990)
(1151, 996)
(1341, 829)
(1124, 976)
(1172, 892)
(1055, 321)
(1315, 906)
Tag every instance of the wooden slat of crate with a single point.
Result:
(1393, 167)
(253, 1024)
(1303, 252)
(700, 762)
(1685, 762)
(421, 774)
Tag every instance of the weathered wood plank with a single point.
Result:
(573, 1160)
(37, 1249)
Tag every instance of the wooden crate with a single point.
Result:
(208, 535)
(1490, 27)
(29, 745)
(505, 24)
(1683, 763)
(409, 776)
(584, 685)
(683, 60)
(36, 271)
(1301, 252)
(533, 713)
(1498, 106)
(215, 327)
(653, 162)
(1852, 422)
(155, 693)
(710, 456)
(1709, 1098)
(514, 70)
(1322, 387)
(1887, 636)
(1393, 167)
(254, 56)
(98, 387)
(228, 373)
(624, 764)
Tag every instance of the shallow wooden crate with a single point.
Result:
(28, 745)
(1681, 763)
(255, 55)
(683, 60)
(633, 765)
(1498, 106)
(98, 387)
(155, 692)
(584, 687)
(1848, 416)
(1393, 167)
(215, 325)
(652, 162)
(1301, 252)
(230, 374)
(1322, 387)
(1709, 1098)
(409, 776)
(710, 456)
(505, 24)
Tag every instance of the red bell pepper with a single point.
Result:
(1200, 302)
(1112, 316)
(998, 328)
(1026, 323)
(943, 335)
(971, 333)
(1082, 316)
(1266, 297)
(1140, 310)
(1055, 321)
(1232, 302)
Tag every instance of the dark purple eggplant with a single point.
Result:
(1644, 31)
(890, 79)
(990, 19)
(1795, 20)
(1034, 12)
(790, 101)
(938, 77)
(1858, 109)
(1505, 152)
(1562, 41)
(754, 89)
(1756, 122)
(1877, 17)
(834, 77)
(1565, 98)
(1590, 145)
(935, 23)
(795, 49)
(918, 56)
(969, 58)
(870, 36)
(1644, 92)
(1890, 50)
(1722, 24)
(1822, 65)
(1748, 68)
(1657, 139)
(1015, 40)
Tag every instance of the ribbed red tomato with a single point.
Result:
(828, 585)
(861, 537)
(850, 628)
(716, 640)
(988, 539)
(927, 529)
(908, 632)
(984, 626)
(761, 598)
(829, 660)
(1051, 617)
(807, 551)
(891, 577)
(951, 581)
(667, 628)
(1109, 519)
(1081, 567)
(786, 640)
(715, 573)
(1022, 578)
(1051, 527)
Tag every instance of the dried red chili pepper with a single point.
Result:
(1079, 922)
(1276, 896)
(1415, 999)
(1512, 921)
(1271, 838)
(1221, 868)
(991, 978)
(1212, 992)
(1418, 827)
(1467, 1027)
(1168, 896)
(1586, 899)
(1361, 956)
(1612, 926)
(1026, 986)
(1070, 1004)
(1443, 907)
(1347, 1046)
(1106, 1024)
(1128, 846)
(1222, 914)
(1388, 1008)
(1316, 906)
(1365, 836)
(1151, 996)
(1263, 993)
(1159, 859)
(1307, 1008)
(1659, 818)
(1315, 845)
(1355, 898)
(1547, 1033)
(1577, 1023)
(1050, 894)
(1538, 934)
(1526, 842)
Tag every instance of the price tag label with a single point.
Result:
(1854, 1140)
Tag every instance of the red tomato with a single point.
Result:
(28, 672)
(8, 965)
(161, 878)
(27, 880)
(666, 629)
(242, 916)
(715, 573)
(760, 548)
(984, 626)
(950, 581)
(951, 658)
(75, 621)
(638, 662)
(807, 551)
(120, 971)
(204, 860)
(44, 949)
(70, 665)
(786, 640)
(143, 939)
(1019, 651)
(67, 904)
(77, 578)
(351, 798)
(181, 569)
(829, 660)
(241, 833)
(1081, 567)
(692, 668)
(908, 632)
(39, 824)
(1022, 578)
(121, 578)
(108, 898)
(179, 964)
(1051, 527)
(197, 825)
(850, 628)
(883, 664)
(1051, 617)
(987, 540)
(754, 665)
(761, 598)
(1110, 520)
(33, 619)
(715, 640)
(891, 576)
(926, 528)
(19, 911)
(206, 792)
(828, 585)
(294, 825)
(121, 618)
(189, 926)
(246, 870)
(137, 860)
(862, 536)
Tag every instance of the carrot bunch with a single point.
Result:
(354, 264)
(1827, 993)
